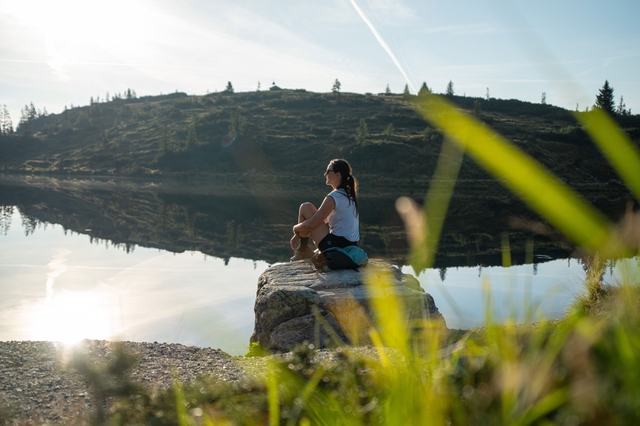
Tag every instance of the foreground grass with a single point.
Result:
(583, 369)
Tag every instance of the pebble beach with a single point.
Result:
(39, 384)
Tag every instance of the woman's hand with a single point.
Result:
(297, 228)
(294, 241)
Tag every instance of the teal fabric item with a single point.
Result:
(353, 256)
(356, 254)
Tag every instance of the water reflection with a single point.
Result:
(523, 293)
(225, 221)
(155, 262)
(64, 288)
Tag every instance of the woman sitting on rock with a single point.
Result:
(336, 223)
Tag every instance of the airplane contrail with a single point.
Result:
(384, 45)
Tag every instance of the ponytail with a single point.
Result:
(348, 182)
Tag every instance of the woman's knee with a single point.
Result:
(307, 209)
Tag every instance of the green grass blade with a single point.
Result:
(388, 309)
(439, 196)
(272, 393)
(181, 408)
(524, 176)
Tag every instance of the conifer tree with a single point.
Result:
(406, 92)
(622, 107)
(6, 126)
(336, 87)
(604, 99)
(33, 114)
(424, 90)
(362, 132)
(229, 88)
(477, 108)
(27, 115)
(449, 91)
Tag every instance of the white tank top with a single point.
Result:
(343, 220)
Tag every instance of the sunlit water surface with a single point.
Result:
(63, 288)
(59, 286)
(471, 297)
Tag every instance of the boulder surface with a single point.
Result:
(296, 303)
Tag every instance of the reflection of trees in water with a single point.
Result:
(163, 215)
(478, 239)
(172, 215)
(6, 213)
(235, 234)
(29, 221)
(443, 273)
(386, 239)
(239, 223)
(216, 225)
(227, 225)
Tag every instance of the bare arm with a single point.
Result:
(318, 217)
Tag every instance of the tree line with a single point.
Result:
(28, 114)
(128, 94)
(604, 99)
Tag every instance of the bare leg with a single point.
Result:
(319, 232)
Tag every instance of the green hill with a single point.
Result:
(285, 133)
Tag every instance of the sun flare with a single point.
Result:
(69, 317)
(83, 33)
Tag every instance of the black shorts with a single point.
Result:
(335, 241)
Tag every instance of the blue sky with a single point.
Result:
(64, 52)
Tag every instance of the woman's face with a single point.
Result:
(332, 178)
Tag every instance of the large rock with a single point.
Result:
(295, 303)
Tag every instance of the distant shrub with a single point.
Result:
(432, 135)
(321, 130)
(512, 107)
(633, 132)
(569, 134)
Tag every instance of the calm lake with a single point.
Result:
(178, 262)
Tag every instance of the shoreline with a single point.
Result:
(40, 381)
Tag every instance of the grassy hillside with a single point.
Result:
(285, 133)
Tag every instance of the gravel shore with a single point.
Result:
(38, 385)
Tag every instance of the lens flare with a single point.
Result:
(229, 140)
